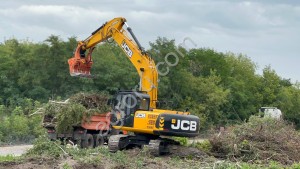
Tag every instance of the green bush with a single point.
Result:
(17, 125)
(204, 146)
(20, 128)
(35, 126)
(44, 147)
(182, 140)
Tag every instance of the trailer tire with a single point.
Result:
(87, 141)
(99, 140)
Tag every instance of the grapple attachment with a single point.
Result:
(80, 65)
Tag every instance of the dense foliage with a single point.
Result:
(221, 88)
(17, 126)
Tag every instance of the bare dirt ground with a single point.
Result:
(30, 164)
(16, 150)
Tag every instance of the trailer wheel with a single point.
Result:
(99, 140)
(87, 141)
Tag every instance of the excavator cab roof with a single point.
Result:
(139, 100)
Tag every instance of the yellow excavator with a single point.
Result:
(135, 111)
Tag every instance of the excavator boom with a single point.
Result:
(80, 64)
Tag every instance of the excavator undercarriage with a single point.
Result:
(156, 145)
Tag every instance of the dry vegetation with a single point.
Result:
(259, 140)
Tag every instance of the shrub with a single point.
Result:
(182, 140)
(204, 146)
(44, 147)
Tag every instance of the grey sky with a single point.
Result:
(266, 31)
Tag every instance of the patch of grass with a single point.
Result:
(9, 158)
(295, 166)
(88, 156)
(204, 146)
(44, 147)
(120, 157)
(67, 166)
(182, 140)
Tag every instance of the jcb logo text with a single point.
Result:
(185, 125)
(126, 49)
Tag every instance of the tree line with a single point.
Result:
(221, 88)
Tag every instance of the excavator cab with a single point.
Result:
(126, 103)
(80, 64)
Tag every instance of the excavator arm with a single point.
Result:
(81, 63)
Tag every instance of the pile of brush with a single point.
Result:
(259, 140)
(65, 114)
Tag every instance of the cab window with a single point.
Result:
(143, 104)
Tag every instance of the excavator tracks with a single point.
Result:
(114, 141)
(156, 147)
(161, 146)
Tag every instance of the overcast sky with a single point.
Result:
(266, 31)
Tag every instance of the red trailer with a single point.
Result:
(91, 133)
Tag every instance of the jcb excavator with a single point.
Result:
(135, 111)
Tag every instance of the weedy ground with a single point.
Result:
(258, 144)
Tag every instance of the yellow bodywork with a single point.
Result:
(144, 121)
(143, 63)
